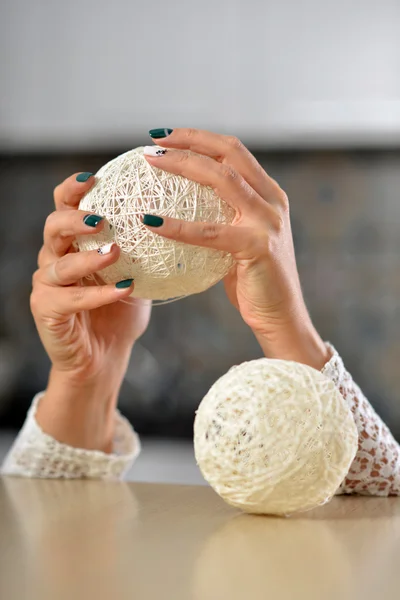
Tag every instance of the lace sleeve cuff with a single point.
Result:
(376, 467)
(36, 454)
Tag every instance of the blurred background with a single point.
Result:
(312, 88)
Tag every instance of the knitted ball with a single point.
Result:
(274, 437)
(125, 189)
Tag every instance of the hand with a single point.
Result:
(86, 330)
(264, 283)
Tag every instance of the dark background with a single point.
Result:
(346, 221)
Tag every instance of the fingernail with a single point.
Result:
(124, 284)
(152, 220)
(106, 249)
(160, 133)
(82, 177)
(92, 220)
(154, 151)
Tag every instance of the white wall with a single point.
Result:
(86, 73)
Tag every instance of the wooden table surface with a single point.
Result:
(95, 540)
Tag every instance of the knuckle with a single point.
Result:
(209, 231)
(283, 199)
(191, 133)
(278, 220)
(57, 191)
(35, 277)
(36, 301)
(78, 294)
(60, 269)
(182, 157)
(103, 291)
(179, 229)
(251, 194)
(33, 302)
(40, 258)
(279, 195)
(233, 142)
(229, 173)
(280, 224)
(50, 220)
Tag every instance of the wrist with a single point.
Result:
(80, 411)
(300, 343)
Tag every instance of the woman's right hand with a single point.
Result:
(264, 283)
(85, 329)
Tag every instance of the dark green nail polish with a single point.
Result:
(152, 220)
(92, 220)
(82, 177)
(157, 134)
(124, 284)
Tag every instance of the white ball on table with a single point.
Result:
(274, 437)
(128, 187)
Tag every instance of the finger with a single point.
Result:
(54, 302)
(46, 256)
(227, 183)
(71, 268)
(70, 192)
(62, 227)
(226, 149)
(241, 242)
(78, 298)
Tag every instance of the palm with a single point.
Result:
(88, 340)
(246, 289)
(121, 323)
(238, 288)
(113, 327)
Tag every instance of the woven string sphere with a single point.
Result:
(126, 188)
(274, 437)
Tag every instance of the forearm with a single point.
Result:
(77, 433)
(298, 341)
(80, 413)
(79, 410)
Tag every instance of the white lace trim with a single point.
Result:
(37, 454)
(375, 470)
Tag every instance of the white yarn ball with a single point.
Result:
(274, 437)
(126, 188)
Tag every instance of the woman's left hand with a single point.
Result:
(264, 283)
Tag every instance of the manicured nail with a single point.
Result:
(92, 220)
(154, 151)
(124, 284)
(106, 249)
(82, 177)
(160, 133)
(152, 220)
